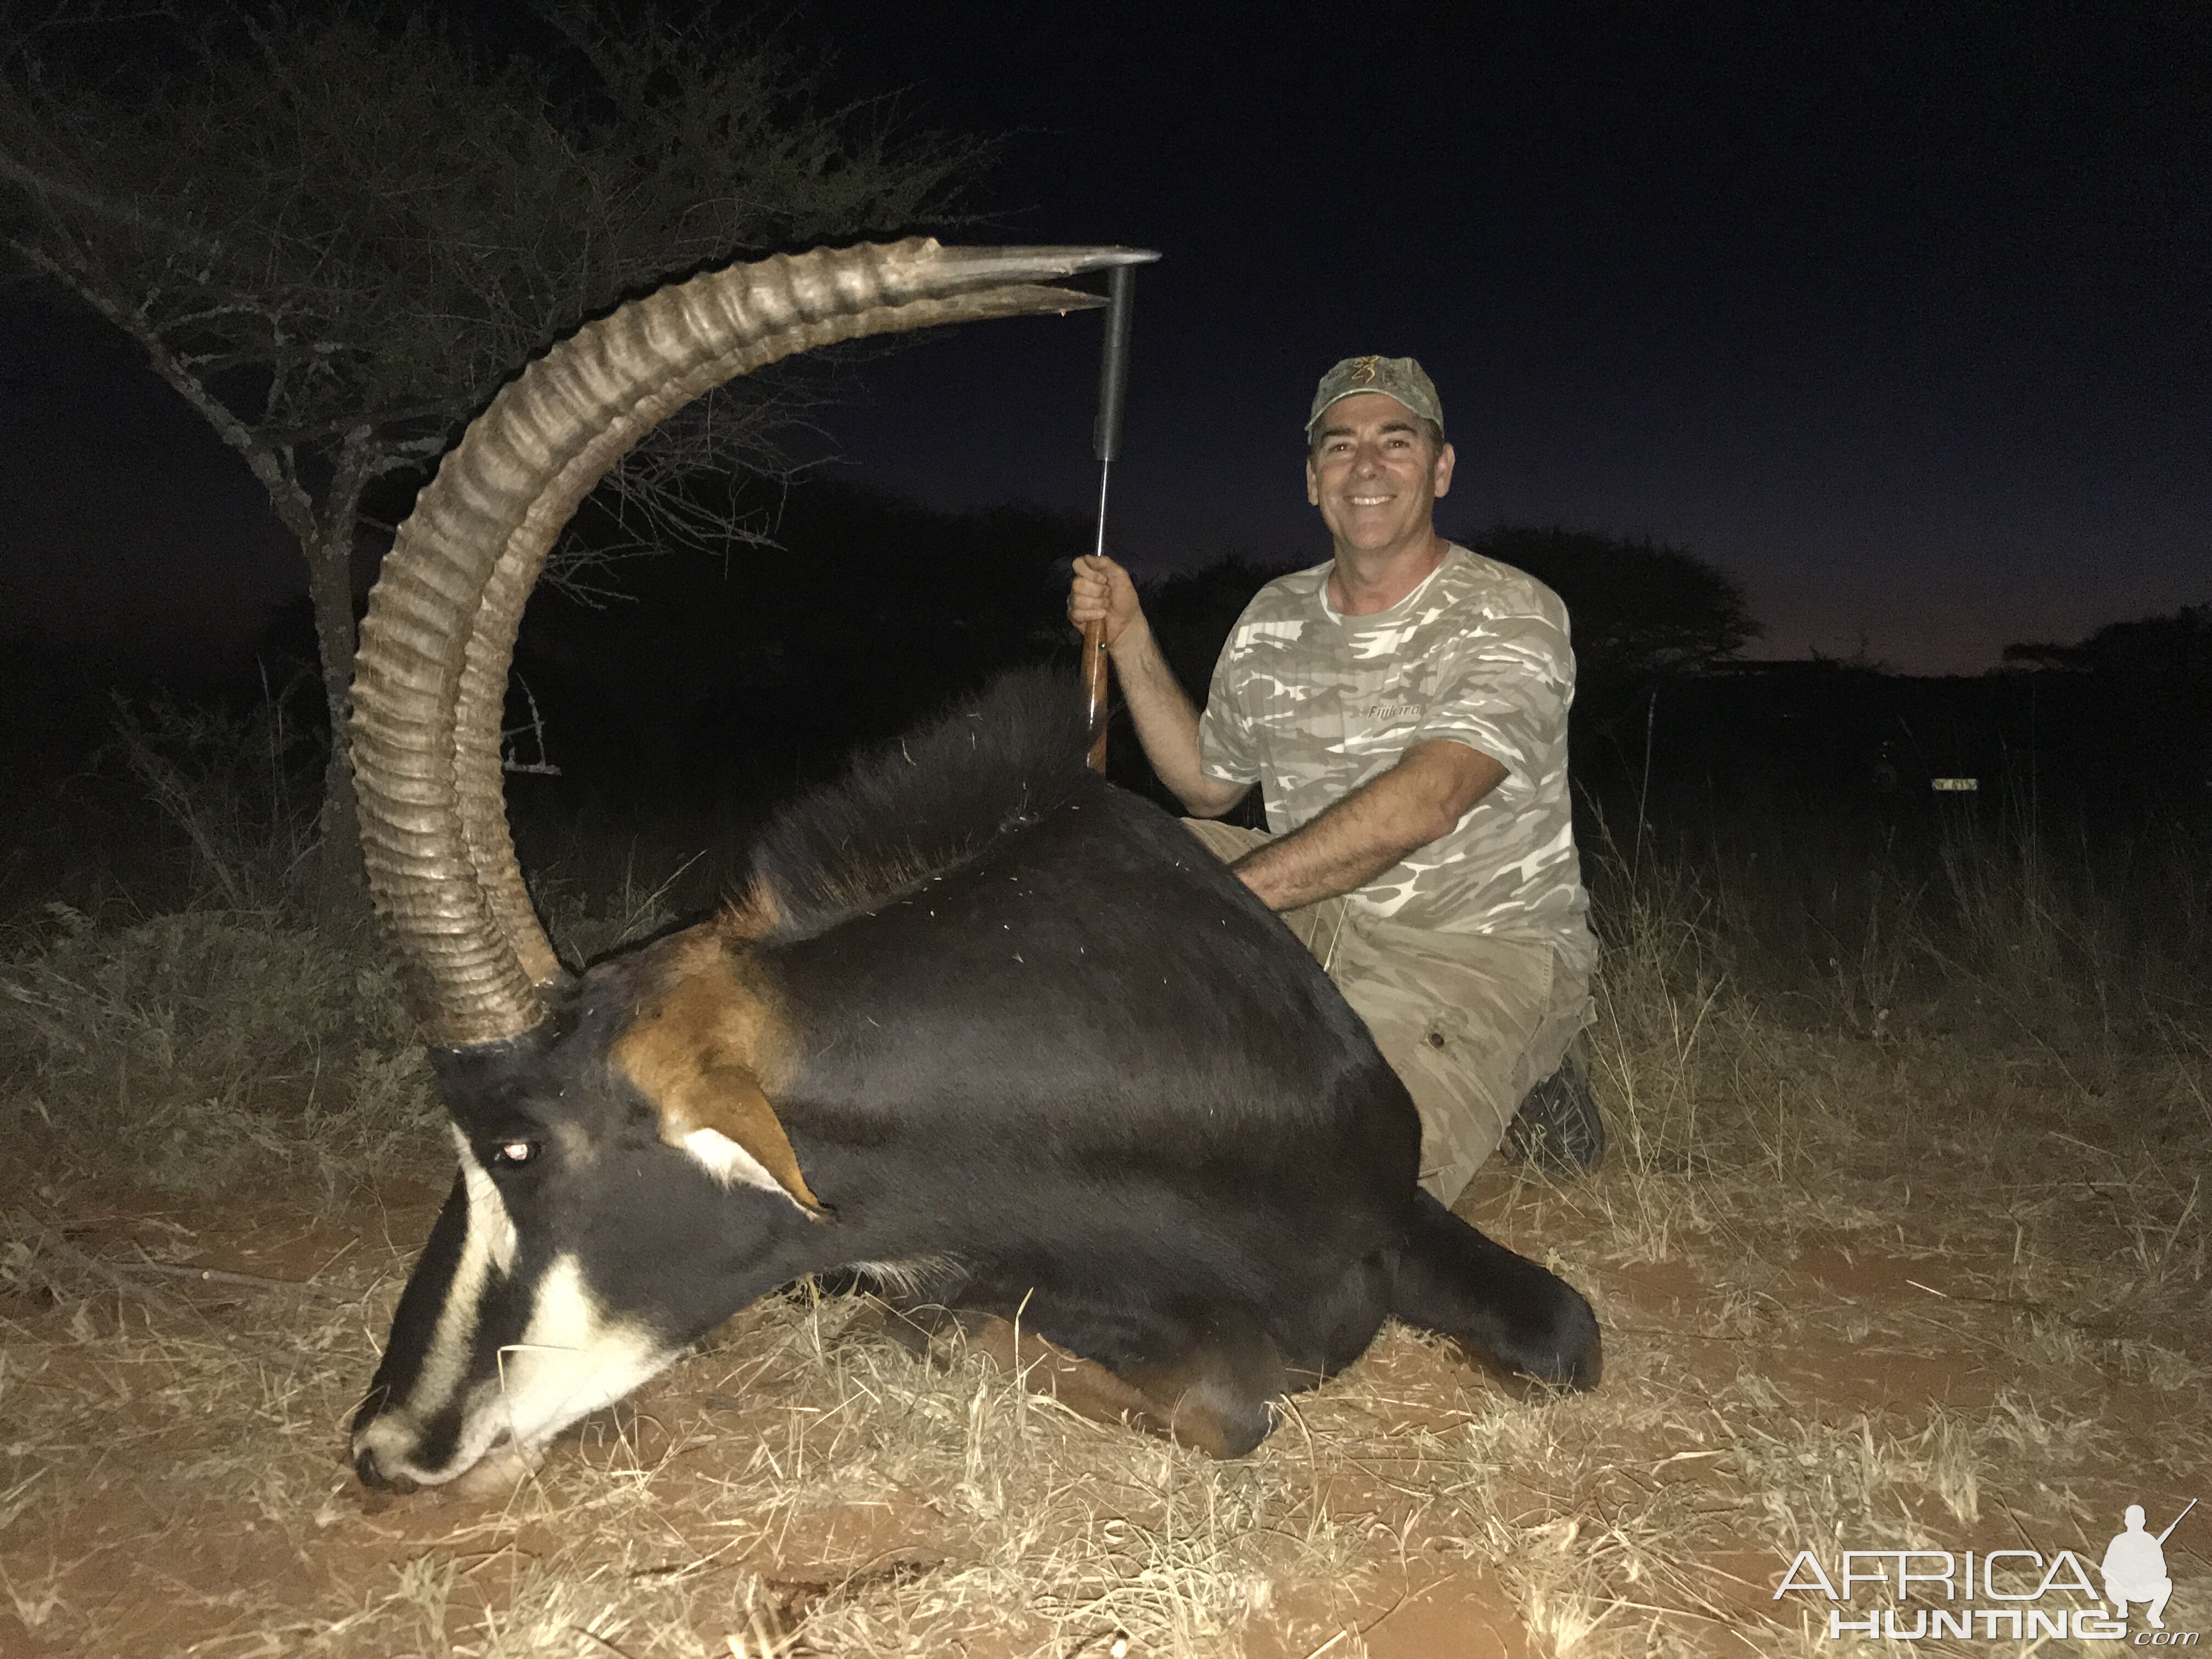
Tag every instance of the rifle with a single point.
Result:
(1106, 444)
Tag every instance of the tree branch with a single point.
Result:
(16, 171)
(293, 505)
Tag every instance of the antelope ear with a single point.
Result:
(694, 1050)
(721, 1117)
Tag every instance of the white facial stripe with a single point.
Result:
(571, 1359)
(488, 1208)
(488, 1242)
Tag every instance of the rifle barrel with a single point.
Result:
(2177, 1521)
(1106, 444)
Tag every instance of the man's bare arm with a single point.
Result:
(1416, 801)
(1167, 725)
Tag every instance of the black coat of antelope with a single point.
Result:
(974, 1009)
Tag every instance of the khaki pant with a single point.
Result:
(1470, 1023)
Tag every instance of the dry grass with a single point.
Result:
(225, 1043)
(1936, 1277)
(196, 1050)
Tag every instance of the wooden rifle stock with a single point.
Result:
(1095, 675)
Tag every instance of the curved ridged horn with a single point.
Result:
(431, 677)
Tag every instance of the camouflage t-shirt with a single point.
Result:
(1311, 704)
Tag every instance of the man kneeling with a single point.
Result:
(1404, 709)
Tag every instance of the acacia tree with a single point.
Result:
(335, 236)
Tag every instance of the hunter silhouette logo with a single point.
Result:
(1998, 1595)
(2134, 1566)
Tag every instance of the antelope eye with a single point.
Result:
(513, 1154)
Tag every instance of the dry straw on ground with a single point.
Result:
(1905, 1246)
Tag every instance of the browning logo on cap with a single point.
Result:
(1393, 377)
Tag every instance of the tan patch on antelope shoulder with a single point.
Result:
(706, 1044)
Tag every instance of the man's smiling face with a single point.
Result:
(1375, 472)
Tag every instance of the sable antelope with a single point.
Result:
(973, 1006)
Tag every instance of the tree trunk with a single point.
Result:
(340, 894)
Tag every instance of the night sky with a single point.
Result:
(1900, 313)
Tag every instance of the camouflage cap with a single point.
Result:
(1393, 377)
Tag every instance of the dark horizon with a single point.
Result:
(1899, 318)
